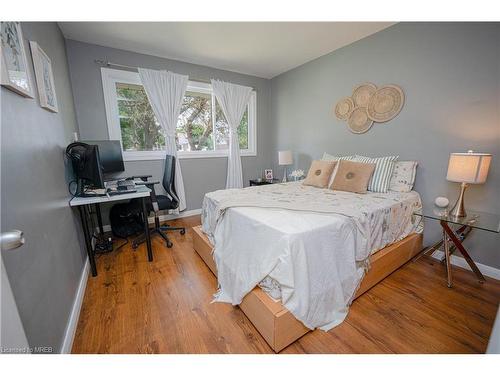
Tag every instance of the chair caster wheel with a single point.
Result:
(135, 246)
(183, 232)
(169, 244)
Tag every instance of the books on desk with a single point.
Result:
(94, 193)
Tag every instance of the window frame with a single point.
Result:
(109, 79)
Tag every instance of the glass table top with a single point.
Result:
(474, 219)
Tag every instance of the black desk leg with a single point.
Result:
(99, 218)
(146, 229)
(88, 241)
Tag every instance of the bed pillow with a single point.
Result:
(379, 183)
(327, 156)
(319, 173)
(403, 176)
(352, 176)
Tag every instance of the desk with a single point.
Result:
(83, 204)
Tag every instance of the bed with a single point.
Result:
(294, 257)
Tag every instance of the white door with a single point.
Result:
(12, 336)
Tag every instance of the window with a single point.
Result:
(202, 129)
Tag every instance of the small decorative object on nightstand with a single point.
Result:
(442, 202)
(285, 158)
(297, 174)
(453, 238)
(467, 168)
(261, 181)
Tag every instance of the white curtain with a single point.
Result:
(233, 100)
(165, 92)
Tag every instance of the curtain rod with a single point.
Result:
(108, 64)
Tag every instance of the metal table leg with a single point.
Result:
(88, 242)
(462, 236)
(463, 231)
(146, 229)
(447, 257)
(464, 252)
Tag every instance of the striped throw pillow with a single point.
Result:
(381, 178)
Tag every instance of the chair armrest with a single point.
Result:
(141, 183)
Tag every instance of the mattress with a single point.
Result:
(299, 223)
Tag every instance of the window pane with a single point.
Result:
(139, 128)
(194, 128)
(222, 130)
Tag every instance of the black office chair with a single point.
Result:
(162, 202)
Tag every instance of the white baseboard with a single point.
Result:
(69, 334)
(489, 271)
(151, 219)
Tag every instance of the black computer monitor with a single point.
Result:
(110, 153)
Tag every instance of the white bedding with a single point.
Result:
(313, 261)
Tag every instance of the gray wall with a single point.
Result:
(200, 175)
(45, 272)
(450, 73)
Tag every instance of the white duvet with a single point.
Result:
(317, 253)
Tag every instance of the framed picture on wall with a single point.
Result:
(44, 78)
(14, 65)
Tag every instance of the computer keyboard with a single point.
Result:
(118, 192)
(122, 191)
(126, 183)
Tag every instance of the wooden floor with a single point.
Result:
(134, 306)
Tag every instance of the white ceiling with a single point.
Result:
(262, 49)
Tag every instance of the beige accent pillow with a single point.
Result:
(327, 156)
(352, 176)
(319, 173)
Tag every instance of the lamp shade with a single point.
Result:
(469, 167)
(285, 157)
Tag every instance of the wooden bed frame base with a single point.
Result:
(274, 322)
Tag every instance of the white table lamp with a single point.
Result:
(285, 158)
(467, 168)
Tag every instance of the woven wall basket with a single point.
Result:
(344, 108)
(362, 94)
(368, 105)
(386, 103)
(358, 121)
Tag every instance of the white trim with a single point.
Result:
(489, 271)
(160, 155)
(109, 79)
(69, 334)
(151, 219)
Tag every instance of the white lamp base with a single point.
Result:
(284, 176)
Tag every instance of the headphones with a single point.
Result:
(76, 152)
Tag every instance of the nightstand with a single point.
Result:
(261, 181)
(453, 237)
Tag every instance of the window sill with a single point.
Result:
(160, 155)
